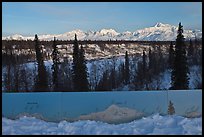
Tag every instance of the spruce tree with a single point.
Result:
(127, 70)
(80, 75)
(179, 75)
(150, 58)
(55, 66)
(190, 49)
(190, 53)
(122, 72)
(65, 77)
(7, 76)
(140, 77)
(196, 56)
(171, 56)
(83, 83)
(144, 65)
(41, 81)
(171, 109)
(104, 84)
(16, 67)
(75, 66)
(150, 66)
(161, 61)
(38, 52)
(113, 78)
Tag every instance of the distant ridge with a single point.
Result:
(157, 32)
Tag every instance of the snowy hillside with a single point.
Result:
(157, 32)
(155, 124)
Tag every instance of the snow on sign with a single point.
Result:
(109, 107)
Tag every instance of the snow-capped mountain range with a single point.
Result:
(157, 32)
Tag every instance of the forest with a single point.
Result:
(41, 66)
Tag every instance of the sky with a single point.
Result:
(29, 18)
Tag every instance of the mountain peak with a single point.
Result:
(108, 31)
(158, 24)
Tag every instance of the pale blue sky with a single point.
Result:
(29, 18)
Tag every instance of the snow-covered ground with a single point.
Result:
(97, 67)
(154, 124)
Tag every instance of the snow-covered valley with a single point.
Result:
(97, 67)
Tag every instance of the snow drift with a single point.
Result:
(154, 124)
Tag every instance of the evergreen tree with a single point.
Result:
(83, 83)
(155, 65)
(190, 49)
(75, 66)
(80, 75)
(55, 66)
(41, 81)
(38, 52)
(150, 59)
(150, 67)
(24, 78)
(196, 56)
(139, 77)
(144, 62)
(171, 109)
(121, 73)
(191, 53)
(171, 56)
(161, 61)
(66, 76)
(127, 71)
(16, 74)
(104, 84)
(7, 75)
(179, 76)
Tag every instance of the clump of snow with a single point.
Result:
(114, 114)
(154, 124)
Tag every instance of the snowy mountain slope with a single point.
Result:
(158, 32)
